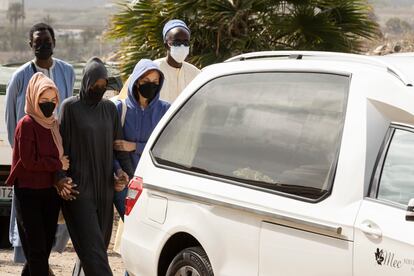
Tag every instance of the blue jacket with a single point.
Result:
(139, 123)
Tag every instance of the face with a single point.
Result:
(40, 38)
(148, 85)
(177, 37)
(151, 76)
(48, 96)
(99, 84)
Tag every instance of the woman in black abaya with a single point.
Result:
(89, 126)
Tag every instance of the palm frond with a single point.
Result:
(222, 28)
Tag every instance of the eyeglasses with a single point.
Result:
(178, 43)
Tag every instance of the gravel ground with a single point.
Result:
(61, 264)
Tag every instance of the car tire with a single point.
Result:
(192, 261)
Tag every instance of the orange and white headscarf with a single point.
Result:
(38, 84)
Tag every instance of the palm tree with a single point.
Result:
(15, 13)
(224, 28)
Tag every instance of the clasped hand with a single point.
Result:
(66, 189)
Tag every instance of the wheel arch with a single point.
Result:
(172, 247)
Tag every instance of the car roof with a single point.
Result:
(399, 66)
(403, 61)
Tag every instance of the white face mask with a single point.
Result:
(179, 53)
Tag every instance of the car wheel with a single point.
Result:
(191, 261)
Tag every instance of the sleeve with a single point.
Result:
(30, 160)
(12, 92)
(118, 105)
(73, 77)
(140, 148)
(65, 131)
(121, 158)
(166, 107)
(64, 126)
(117, 166)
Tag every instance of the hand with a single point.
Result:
(65, 162)
(121, 180)
(66, 189)
(122, 145)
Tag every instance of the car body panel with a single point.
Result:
(391, 254)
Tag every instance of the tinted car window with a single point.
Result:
(277, 131)
(397, 178)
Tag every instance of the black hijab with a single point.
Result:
(94, 70)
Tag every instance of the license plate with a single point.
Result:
(6, 193)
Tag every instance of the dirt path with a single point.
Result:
(61, 264)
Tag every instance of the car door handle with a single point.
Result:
(371, 229)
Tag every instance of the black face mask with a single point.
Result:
(44, 51)
(95, 95)
(47, 108)
(148, 90)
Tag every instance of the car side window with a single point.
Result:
(396, 183)
(277, 131)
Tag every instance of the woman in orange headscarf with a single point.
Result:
(37, 156)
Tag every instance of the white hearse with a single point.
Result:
(280, 163)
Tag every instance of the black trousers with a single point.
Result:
(37, 214)
(90, 230)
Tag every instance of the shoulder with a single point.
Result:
(163, 105)
(68, 102)
(162, 63)
(108, 104)
(71, 100)
(63, 64)
(191, 67)
(159, 61)
(26, 120)
(22, 71)
(26, 123)
(27, 128)
(117, 102)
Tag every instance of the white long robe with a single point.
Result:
(176, 79)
